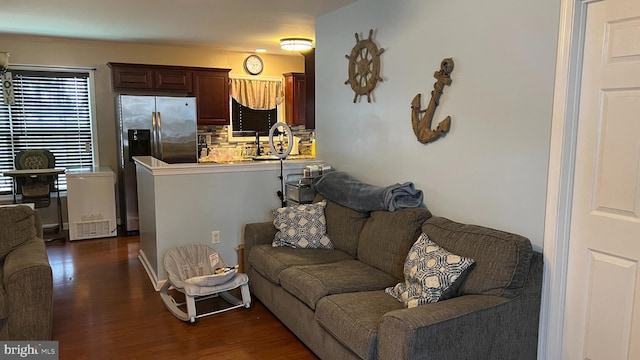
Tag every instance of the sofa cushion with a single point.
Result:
(17, 225)
(353, 319)
(431, 274)
(310, 283)
(4, 301)
(270, 261)
(387, 236)
(302, 227)
(502, 259)
(344, 226)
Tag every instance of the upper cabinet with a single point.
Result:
(295, 99)
(300, 94)
(210, 86)
(310, 86)
(150, 78)
(173, 80)
(131, 77)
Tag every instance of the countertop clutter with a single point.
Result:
(241, 153)
(214, 149)
(240, 159)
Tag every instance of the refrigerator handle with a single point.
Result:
(154, 132)
(159, 122)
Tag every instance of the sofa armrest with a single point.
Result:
(28, 282)
(465, 327)
(257, 234)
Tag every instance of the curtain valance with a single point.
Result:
(257, 94)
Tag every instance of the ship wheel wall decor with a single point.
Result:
(364, 67)
(422, 124)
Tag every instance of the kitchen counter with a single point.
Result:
(159, 167)
(181, 204)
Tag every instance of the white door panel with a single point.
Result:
(602, 317)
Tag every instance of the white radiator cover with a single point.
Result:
(91, 203)
(92, 229)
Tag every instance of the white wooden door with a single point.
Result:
(602, 310)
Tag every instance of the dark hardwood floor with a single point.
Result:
(106, 308)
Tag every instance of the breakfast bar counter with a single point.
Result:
(180, 204)
(159, 167)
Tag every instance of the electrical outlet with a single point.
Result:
(215, 237)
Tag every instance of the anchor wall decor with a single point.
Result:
(422, 125)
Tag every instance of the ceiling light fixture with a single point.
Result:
(295, 44)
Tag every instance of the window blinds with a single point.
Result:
(52, 111)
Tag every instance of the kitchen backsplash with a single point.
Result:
(215, 138)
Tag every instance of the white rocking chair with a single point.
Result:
(192, 271)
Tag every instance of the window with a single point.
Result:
(254, 106)
(52, 111)
(245, 119)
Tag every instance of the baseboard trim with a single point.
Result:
(157, 284)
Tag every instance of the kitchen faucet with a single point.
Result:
(258, 152)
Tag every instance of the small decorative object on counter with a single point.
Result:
(204, 153)
(313, 144)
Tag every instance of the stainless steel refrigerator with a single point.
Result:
(159, 126)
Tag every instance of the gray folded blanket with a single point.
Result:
(345, 190)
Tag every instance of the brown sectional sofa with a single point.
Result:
(26, 286)
(334, 300)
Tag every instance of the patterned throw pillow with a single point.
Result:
(302, 227)
(431, 273)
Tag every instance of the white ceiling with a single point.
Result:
(239, 25)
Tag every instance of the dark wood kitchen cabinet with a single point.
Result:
(310, 82)
(131, 77)
(295, 99)
(211, 88)
(150, 78)
(173, 80)
(300, 105)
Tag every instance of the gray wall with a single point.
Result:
(491, 168)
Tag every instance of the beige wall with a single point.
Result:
(30, 50)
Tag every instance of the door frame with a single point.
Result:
(560, 177)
